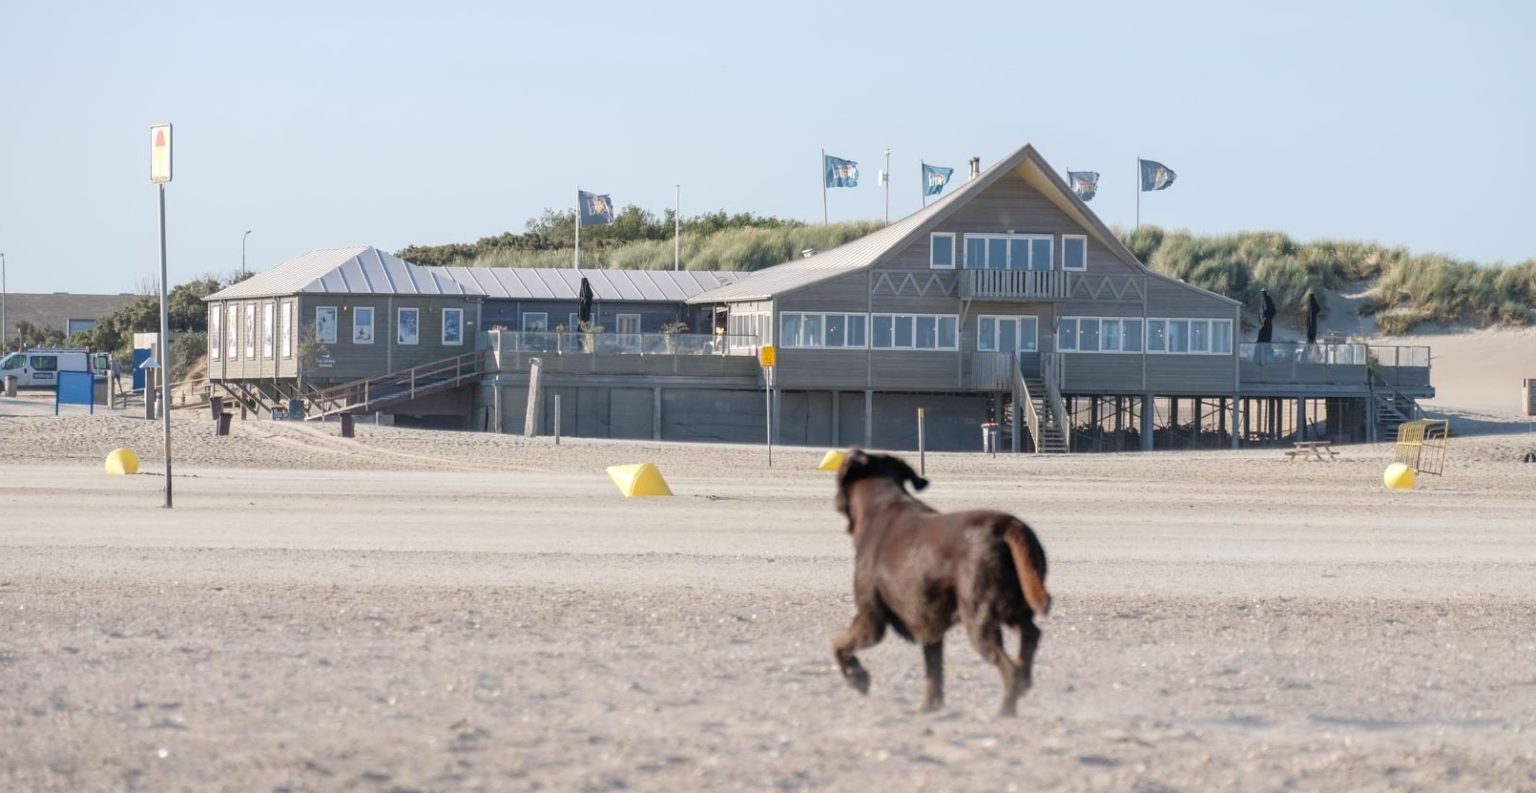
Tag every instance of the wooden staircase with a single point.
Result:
(1052, 438)
(377, 393)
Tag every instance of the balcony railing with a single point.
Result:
(1013, 285)
(1332, 363)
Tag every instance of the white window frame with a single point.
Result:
(1119, 348)
(335, 322)
(400, 326)
(372, 324)
(268, 330)
(215, 332)
(1214, 326)
(1018, 331)
(1028, 238)
(286, 314)
(798, 343)
(444, 330)
(544, 319)
(232, 333)
(938, 318)
(1084, 239)
(954, 250)
(250, 331)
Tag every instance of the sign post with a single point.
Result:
(766, 356)
(160, 175)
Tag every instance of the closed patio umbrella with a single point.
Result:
(1313, 309)
(584, 302)
(1267, 330)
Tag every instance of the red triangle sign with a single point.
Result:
(159, 137)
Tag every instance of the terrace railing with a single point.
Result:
(1013, 285)
(1333, 363)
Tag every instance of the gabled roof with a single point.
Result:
(528, 283)
(346, 271)
(869, 250)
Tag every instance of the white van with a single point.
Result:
(41, 367)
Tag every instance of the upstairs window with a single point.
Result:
(941, 251)
(1074, 252)
(1008, 252)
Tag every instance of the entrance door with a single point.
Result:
(1018, 336)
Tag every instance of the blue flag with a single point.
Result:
(1084, 183)
(839, 172)
(596, 210)
(935, 178)
(1155, 176)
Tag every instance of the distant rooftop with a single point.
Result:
(528, 283)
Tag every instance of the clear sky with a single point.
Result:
(330, 124)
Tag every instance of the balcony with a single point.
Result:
(657, 354)
(1333, 364)
(1013, 285)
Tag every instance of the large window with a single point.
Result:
(941, 251)
(536, 321)
(1099, 334)
(232, 334)
(250, 330)
(1007, 334)
(268, 331)
(325, 324)
(287, 329)
(915, 332)
(1162, 336)
(1074, 252)
(215, 341)
(362, 325)
(838, 331)
(453, 327)
(1008, 251)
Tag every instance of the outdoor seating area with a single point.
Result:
(1321, 451)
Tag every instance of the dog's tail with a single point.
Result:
(1029, 562)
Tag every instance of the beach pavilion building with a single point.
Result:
(1007, 304)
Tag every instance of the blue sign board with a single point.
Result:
(75, 388)
(139, 357)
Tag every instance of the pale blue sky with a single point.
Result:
(379, 123)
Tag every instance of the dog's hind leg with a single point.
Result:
(1029, 642)
(933, 685)
(988, 640)
(866, 629)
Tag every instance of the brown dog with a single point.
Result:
(920, 571)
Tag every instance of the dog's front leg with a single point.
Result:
(865, 630)
(933, 685)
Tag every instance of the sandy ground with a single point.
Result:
(414, 610)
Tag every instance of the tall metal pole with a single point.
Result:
(576, 263)
(677, 230)
(165, 354)
(1137, 183)
(887, 187)
(4, 292)
(823, 185)
(242, 251)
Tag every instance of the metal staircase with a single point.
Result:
(1041, 411)
(1390, 408)
(377, 393)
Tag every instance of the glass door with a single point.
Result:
(629, 332)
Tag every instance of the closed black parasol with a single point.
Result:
(1313, 309)
(584, 303)
(1267, 330)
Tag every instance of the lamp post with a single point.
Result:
(242, 251)
(4, 347)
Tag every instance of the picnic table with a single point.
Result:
(1313, 450)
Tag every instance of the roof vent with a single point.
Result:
(808, 253)
(975, 167)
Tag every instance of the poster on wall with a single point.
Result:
(362, 325)
(266, 330)
(287, 330)
(410, 326)
(325, 324)
(215, 342)
(250, 330)
(453, 326)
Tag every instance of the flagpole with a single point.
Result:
(922, 181)
(576, 263)
(677, 230)
(1137, 183)
(823, 186)
(887, 187)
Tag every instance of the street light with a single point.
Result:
(242, 251)
(4, 293)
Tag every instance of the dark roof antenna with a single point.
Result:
(975, 167)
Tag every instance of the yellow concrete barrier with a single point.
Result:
(641, 479)
(1398, 477)
(832, 461)
(122, 462)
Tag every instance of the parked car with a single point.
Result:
(41, 367)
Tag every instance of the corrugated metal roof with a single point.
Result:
(527, 283)
(361, 270)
